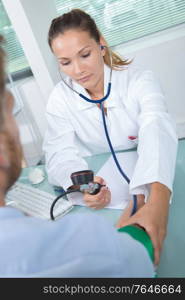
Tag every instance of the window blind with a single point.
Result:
(16, 60)
(121, 21)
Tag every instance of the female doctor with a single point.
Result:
(135, 112)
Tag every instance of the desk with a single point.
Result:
(172, 262)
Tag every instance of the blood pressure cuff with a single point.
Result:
(141, 236)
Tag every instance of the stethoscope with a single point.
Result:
(100, 101)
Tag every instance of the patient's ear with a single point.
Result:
(9, 101)
(4, 159)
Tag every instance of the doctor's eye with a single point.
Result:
(86, 55)
(65, 63)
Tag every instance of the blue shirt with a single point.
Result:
(78, 245)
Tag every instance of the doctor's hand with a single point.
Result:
(152, 217)
(101, 199)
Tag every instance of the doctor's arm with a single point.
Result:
(155, 166)
(61, 154)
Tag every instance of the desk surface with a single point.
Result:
(172, 262)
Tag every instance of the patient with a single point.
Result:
(77, 245)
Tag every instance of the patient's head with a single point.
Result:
(10, 148)
(2, 80)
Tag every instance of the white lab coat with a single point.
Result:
(135, 107)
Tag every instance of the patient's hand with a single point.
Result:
(101, 199)
(127, 211)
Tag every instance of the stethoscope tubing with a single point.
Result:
(115, 158)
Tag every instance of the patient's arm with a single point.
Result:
(127, 211)
(152, 216)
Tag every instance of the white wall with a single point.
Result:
(166, 57)
(167, 60)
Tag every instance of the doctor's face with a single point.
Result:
(80, 57)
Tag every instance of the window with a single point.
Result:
(121, 21)
(17, 64)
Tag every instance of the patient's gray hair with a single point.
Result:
(2, 79)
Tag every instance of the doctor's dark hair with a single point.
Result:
(80, 20)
